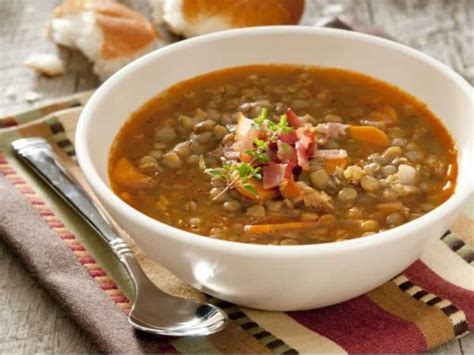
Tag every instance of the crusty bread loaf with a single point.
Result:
(196, 17)
(108, 33)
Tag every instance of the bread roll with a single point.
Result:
(108, 33)
(45, 64)
(196, 17)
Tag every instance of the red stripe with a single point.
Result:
(18, 181)
(36, 201)
(119, 299)
(108, 285)
(422, 276)
(8, 122)
(77, 247)
(67, 235)
(360, 325)
(56, 224)
(7, 171)
(46, 213)
(97, 272)
(87, 260)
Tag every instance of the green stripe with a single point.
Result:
(281, 349)
(28, 116)
(240, 321)
(466, 251)
(60, 136)
(69, 149)
(254, 331)
(450, 239)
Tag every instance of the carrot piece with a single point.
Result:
(277, 227)
(262, 194)
(369, 134)
(330, 165)
(246, 158)
(289, 189)
(127, 175)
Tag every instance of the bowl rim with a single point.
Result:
(105, 192)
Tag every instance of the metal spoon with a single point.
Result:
(153, 311)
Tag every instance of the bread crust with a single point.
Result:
(245, 13)
(125, 32)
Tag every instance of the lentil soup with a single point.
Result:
(283, 155)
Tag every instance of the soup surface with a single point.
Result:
(283, 155)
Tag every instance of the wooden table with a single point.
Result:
(29, 320)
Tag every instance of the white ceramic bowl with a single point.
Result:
(278, 277)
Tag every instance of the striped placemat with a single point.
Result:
(430, 303)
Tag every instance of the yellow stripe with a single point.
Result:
(458, 317)
(92, 266)
(448, 265)
(103, 279)
(400, 279)
(61, 230)
(294, 334)
(81, 253)
(413, 290)
(443, 304)
(427, 298)
(71, 241)
(114, 292)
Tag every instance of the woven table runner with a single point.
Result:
(430, 303)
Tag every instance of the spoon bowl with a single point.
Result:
(157, 312)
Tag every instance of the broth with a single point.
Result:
(284, 155)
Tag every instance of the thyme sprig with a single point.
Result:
(259, 154)
(271, 129)
(233, 173)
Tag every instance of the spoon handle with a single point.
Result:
(38, 154)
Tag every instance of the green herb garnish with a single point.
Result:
(279, 128)
(260, 153)
(260, 119)
(233, 173)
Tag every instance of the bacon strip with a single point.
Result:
(332, 129)
(293, 119)
(273, 175)
(304, 148)
(245, 134)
